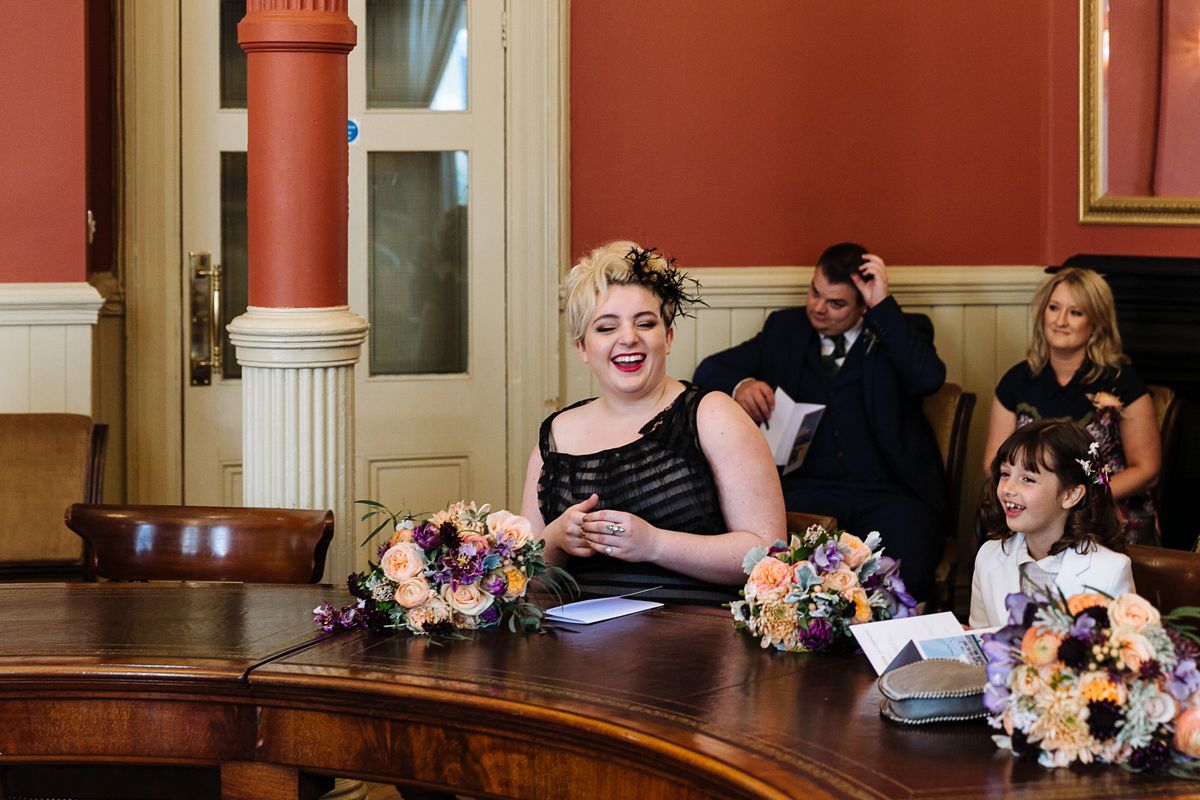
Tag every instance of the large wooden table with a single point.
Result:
(672, 703)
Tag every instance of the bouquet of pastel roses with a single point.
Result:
(1089, 678)
(460, 569)
(805, 595)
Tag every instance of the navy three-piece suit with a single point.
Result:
(874, 462)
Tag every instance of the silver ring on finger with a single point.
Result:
(615, 529)
(608, 550)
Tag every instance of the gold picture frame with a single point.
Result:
(1096, 207)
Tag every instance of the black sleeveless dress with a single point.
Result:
(662, 477)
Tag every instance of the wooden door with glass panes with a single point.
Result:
(426, 251)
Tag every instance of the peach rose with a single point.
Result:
(1135, 648)
(517, 581)
(1104, 399)
(862, 608)
(413, 592)
(770, 573)
(1098, 686)
(430, 613)
(1133, 609)
(1040, 646)
(1187, 732)
(1027, 680)
(402, 561)
(509, 529)
(1080, 602)
(853, 550)
(404, 529)
(840, 580)
(468, 599)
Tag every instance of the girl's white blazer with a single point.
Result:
(997, 576)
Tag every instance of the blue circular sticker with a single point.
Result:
(351, 131)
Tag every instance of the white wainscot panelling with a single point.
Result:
(46, 347)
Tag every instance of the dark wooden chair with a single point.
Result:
(949, 413)
(202, 543)
(47, 462)
(799, 521)
(1168, 578)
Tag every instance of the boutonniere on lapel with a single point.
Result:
(871, 340)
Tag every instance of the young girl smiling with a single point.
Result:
(1051, 520)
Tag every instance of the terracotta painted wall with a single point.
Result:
(42, 160)
(756, 133)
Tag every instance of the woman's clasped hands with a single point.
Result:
(613, 533)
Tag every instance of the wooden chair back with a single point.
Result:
(1168, 411)
(799, 521)
(949, 413)
(201, 543)
(1168, 578)
(47, 462)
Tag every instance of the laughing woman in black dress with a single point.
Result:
(656, 483)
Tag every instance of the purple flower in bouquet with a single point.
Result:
(1184, 680)
(1021, 608)
(449, 534)
(466, 567)
(494, 584)
(826, 556)
(818, 635)
(900, 603)
(490, 615)
(427, 536)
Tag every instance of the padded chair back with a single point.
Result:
(47, 462)
(799, 521)
(949, 413)
(1168, 578)
(1168, 411)
(199, 543)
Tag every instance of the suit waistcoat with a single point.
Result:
(842, 448)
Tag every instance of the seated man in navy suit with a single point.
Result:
(873, 463)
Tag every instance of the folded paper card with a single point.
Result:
(790, 429)
(585, 612)
(883, 641)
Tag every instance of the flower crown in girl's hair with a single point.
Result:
(666, 283)
(1094, 469)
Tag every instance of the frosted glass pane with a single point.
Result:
(417, 232)
(234, 238)
(233, 57)
(417, 54)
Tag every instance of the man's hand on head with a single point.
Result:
(875, 286)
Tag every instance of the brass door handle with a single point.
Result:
(205, 290)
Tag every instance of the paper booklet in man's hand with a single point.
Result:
(790, 429)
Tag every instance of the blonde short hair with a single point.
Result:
(1095, 298)
(614, 263)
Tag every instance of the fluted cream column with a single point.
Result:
(298, 414)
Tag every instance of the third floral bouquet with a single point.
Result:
(805, 595)
(1089, 678)
(460, 569)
